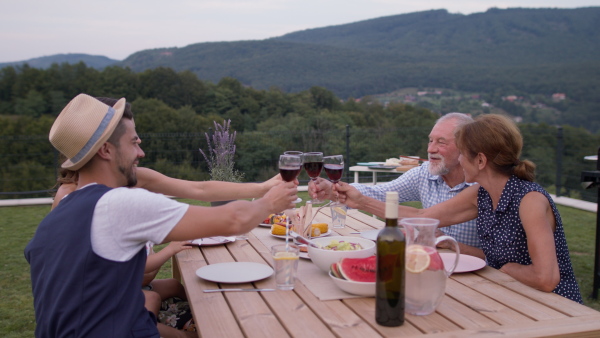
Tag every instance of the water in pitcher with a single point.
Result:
(425, 272)
(427, 290)
(425, 278)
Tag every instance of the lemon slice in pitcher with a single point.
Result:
(417, 259)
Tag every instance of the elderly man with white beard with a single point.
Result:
(435, 181)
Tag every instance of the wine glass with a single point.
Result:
(334, 167)
(313, 164)
(297, 153)
(289, 168)
(293, 152)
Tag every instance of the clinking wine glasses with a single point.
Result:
(313, 164)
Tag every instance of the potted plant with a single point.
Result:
(220, 155)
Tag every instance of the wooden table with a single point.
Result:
(485, 303)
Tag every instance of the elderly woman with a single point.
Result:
(518, 225)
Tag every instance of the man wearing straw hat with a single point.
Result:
(87, 256)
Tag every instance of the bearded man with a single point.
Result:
(435, 181)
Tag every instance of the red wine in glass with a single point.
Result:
(334, 171)
(313, 169)
(289, 173)
(313, 164)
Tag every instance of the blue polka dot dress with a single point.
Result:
(503, 237)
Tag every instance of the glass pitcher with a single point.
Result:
(425, 272)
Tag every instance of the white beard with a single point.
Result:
(439, 169)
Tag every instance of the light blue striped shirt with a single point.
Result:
(418, 184)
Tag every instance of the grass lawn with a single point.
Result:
(18, 224)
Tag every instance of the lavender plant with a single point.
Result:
(221, 152)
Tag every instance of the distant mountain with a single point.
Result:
(95, 61)
(528, 50)
(505, 37)
(513, 51)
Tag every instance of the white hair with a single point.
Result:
(460, 118)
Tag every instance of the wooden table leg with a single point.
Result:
(175, 268)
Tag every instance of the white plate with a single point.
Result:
(322, 235)
(304, 255)
(217, 240)
(369, 164)
(370, 234)
(383, 166)
(234, 272)
(466, 263)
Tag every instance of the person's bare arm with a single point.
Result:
(539, 224)
(464, 248)
(202, 190)
(459, 209)
(156, 260)
(233, 218)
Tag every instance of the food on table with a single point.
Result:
(403, 161)
(276, 219)
(420, 258)
(318, 229)
(336, 245)
(278, 229)
(355, 269)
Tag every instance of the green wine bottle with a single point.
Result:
(389, 304)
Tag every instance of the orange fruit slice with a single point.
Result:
(417, 259)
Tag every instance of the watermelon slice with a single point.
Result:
(358, 269)
(335, 271)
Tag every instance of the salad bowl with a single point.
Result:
(323, 254)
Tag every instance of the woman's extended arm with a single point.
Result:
(459, 209)
(202, 190)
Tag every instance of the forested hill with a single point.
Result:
(514, 51)
(94, 61)
(496, 37)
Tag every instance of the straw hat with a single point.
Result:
(82, 128)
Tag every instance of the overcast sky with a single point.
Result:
(119, 28)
